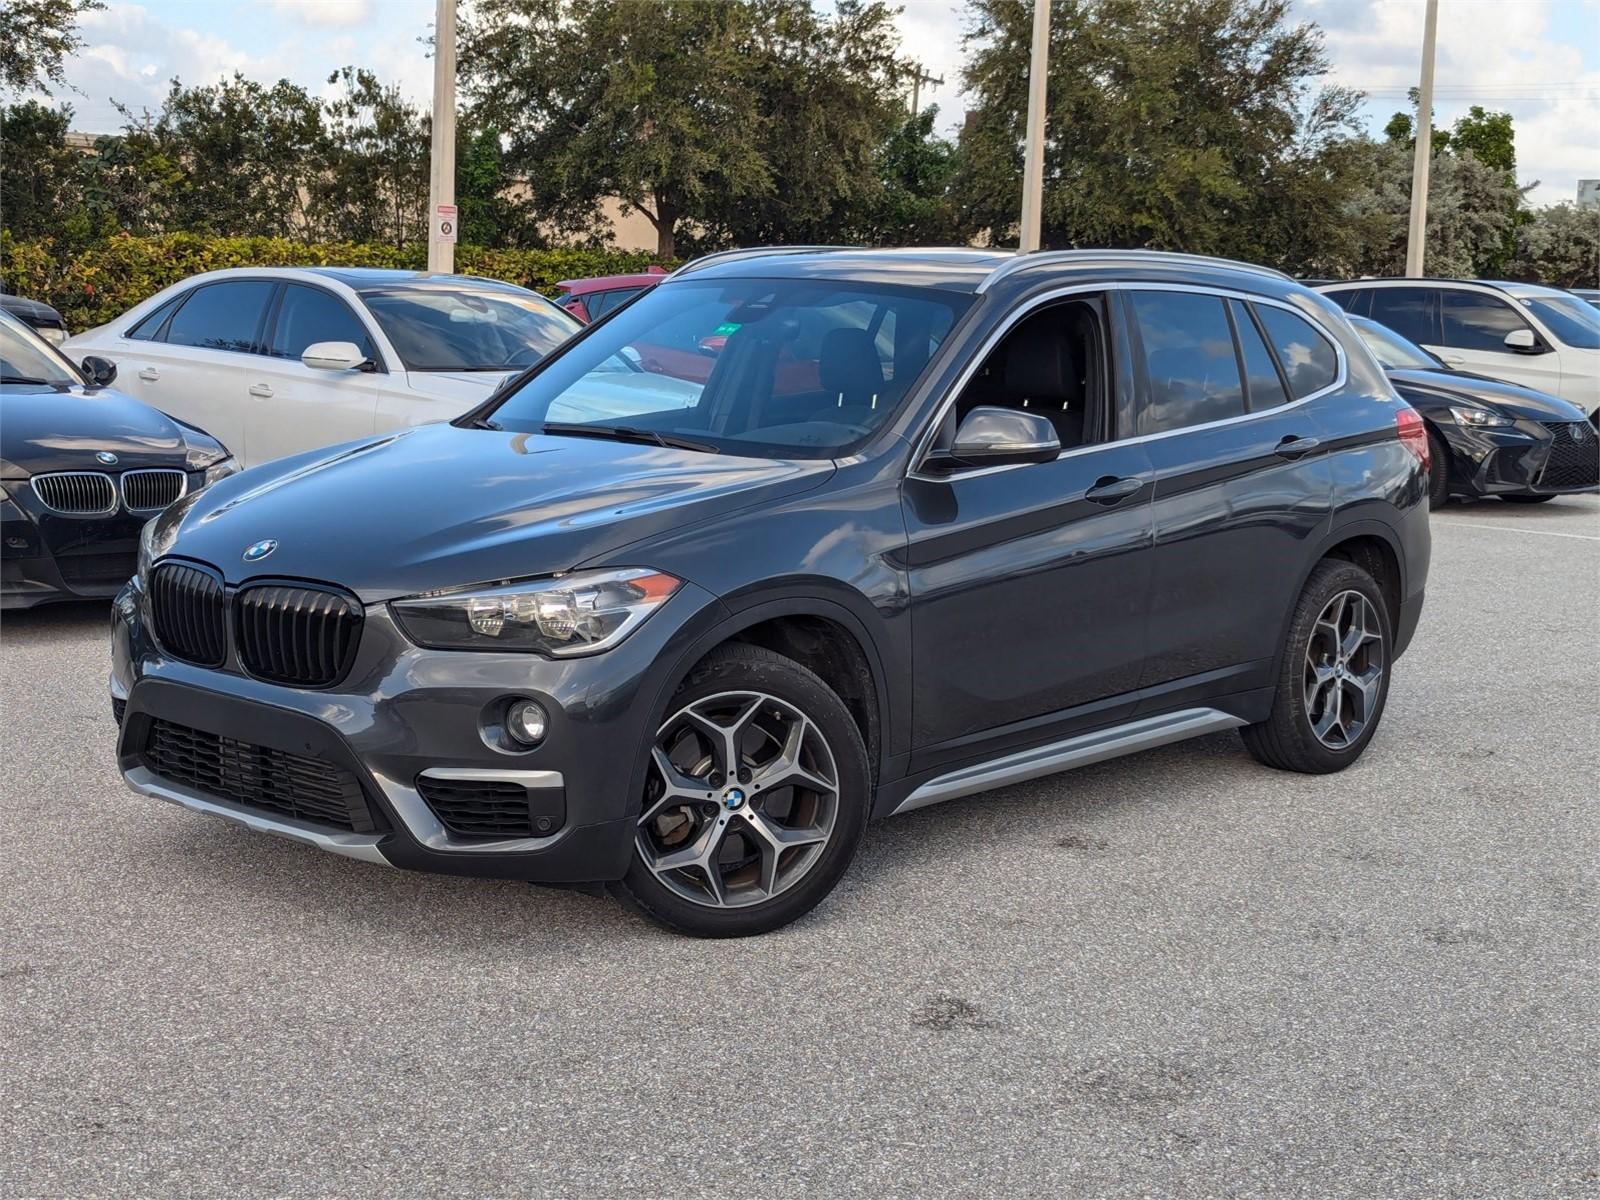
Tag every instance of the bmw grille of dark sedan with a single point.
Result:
(793, 540)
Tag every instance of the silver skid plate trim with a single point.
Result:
(1144, 734)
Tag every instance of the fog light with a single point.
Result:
(527, 722)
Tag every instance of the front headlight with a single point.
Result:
(582, 613)
(1478, 417)
(201, 450)
(147, 551)
(220, 470)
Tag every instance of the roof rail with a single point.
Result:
(1064, 257)
(716, 256)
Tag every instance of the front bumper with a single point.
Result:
(404, 713)
(1528, 458)
(45, 556)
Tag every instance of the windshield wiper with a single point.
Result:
(630, 433)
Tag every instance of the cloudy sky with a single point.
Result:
(1538, 59)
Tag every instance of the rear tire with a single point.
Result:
(1438, 472)
(726, 851)
(1333, 678)
(1525, 498)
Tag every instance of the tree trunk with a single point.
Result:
(666, 223)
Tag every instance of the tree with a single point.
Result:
(371, 178)
(1177, 125)
(1489, 137)
(1560, 246)
(915, 170)
(753, 121)
(36, 38)
(39, 184)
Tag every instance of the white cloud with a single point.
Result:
(325, 14)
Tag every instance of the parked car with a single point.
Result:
(278, 360)
(591, 299)
(1540, 337)
(46, 321)
(1044, 520)
(82, 469)
(1488, 438)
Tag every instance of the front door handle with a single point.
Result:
(1111, 490)
(1296, 447)
(260, 389)
(149, 374)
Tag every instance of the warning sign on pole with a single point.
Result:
(444, 223)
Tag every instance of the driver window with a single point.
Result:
(1051, 363)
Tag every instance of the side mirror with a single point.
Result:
(1522, 341)
(998, 437)
(335, 356)
(101, 371)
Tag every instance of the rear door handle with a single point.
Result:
(1296, 447)
(1111, 490)
(260, 389)
(149, 374)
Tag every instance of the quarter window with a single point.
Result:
(222, 316)
(146, 330)
(1475, 321)
(1261, 377)
(1408, 311)
(1189, 360)
(308, 315)
(1309, 360)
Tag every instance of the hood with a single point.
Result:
(1433, 389)
(469, 387)
(45, 428)
(436, 507)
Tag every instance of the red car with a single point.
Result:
(591, 299)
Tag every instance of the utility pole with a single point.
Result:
(1033, 153)
(917, 80)
(1416, 238)
(443, 226)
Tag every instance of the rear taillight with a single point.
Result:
(1413, 433)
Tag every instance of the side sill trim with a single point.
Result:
(352, 845)
(1144, 734)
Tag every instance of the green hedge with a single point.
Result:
(94, 285)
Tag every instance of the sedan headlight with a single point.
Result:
(582, 613)
(201, 450)
(1478, 417)
(147, 551)
(220, 470)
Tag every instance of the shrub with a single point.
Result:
(94, 285)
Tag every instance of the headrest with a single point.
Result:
(848, 365)
(1039, 365)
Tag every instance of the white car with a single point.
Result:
(274, 361)
(1540, 337)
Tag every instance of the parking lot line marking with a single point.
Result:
(1582, 537)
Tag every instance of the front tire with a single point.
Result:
(1333, 680)
(1438, 472)
(756, 798)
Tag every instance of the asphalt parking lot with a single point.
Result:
(1175, 975)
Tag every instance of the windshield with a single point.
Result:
(772, 368)
(25, 359)
(448, 327)
(1571, 320)
(1391, 350)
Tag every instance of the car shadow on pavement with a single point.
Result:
(68, 617)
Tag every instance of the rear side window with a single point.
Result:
(1188, 359)
(222, 316)
(1408, 311)
(1309, 360)
(599, 304)
(1262, 382)
(1475, 321)
(146, 330)
(308, 315)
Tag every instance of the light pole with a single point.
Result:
(1417, 235)
(1033, 149)
(442, 224)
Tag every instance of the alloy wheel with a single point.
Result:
(741, 799)
(1344, 665)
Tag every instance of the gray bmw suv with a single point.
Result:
(793, 540)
